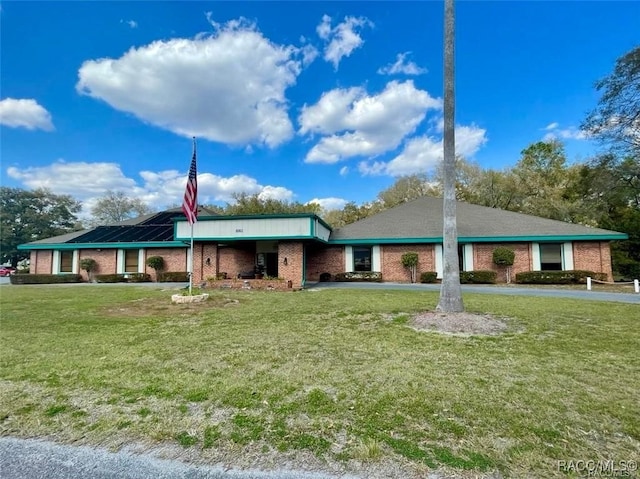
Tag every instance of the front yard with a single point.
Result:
(330, 380)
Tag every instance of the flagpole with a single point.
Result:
(191, 261)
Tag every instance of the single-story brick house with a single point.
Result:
(300, 247)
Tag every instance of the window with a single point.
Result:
(131, 260)
(66, 262)
(362, 258)
(551, 257)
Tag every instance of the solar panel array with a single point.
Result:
(157, 228)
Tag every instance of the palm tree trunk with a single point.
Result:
(450, 292)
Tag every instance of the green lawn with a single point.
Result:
(336, 376)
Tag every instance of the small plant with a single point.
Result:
(410, 261)
(156, 263)
(89, 265)
(503, 256)
(428, 277)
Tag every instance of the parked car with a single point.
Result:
(7, 270)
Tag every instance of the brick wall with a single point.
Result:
(391, 261)
(324, 259)
(201, 253)
(593, 256)
(175, 259)
(483, 259)
(41, 261)
(293, 270)
(234, 260)
(106, 259)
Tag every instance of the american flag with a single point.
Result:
(190, 202)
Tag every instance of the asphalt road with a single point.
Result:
(35, 459)
(506, 290)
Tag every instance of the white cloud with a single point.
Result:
(227, 87)
(344, 171)
(554, 132)
(402, 66)
(342, 39)
(423, 153)
(363, 125)
(24, 113)
(87, 181)
(329, 204)
(131, 23)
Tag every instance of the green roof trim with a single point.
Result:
(482, 239)
(313, 216)
(114, 245)
(231, 239)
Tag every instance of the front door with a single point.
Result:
(272, 264)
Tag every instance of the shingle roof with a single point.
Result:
(422, 218)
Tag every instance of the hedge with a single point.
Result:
(558, 277)
(123, 278)
(173, 277)
(478, 277)
(324, 277)
(45, 278)
(428, 277)
(368, 276)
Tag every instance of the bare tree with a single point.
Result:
(450, 292)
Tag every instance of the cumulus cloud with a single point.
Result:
(87, 181)
(24, 113)
(402, 66)
(329, 204)
(554, 132)
(227, 87)
(342, 39)
(358, 124)
(423, 153)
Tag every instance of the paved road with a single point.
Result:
(34, 459)
(507, 290)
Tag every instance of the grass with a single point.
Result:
(336, 374)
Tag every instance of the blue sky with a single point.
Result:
(302, 101)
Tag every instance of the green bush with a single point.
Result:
(110, 278)
(428, 277)
(324, 277)
(503, 256)
(45, 278)
(478, 277)
(139, 277)
(365, 276)
(558, 277)
(173, 277)
(155, 262)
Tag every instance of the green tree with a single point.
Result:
(27, 216)
(115, 206)
(254, 205)
(450, 291)
(616, 119)
(407, 188)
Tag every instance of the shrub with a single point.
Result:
(139, 278)
(173, 277)
(89, 265)
(110, 278)
(324, 277)
(428, 277)
(45, 278)
(369, 276)
(410, 261)
(478, 277)
(503, 256)
(221, 275)
(558, 277)
(156, 263)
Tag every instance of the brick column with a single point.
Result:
(293, 253)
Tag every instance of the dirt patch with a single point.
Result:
(460, 324)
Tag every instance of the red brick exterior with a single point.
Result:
(324, 259)
(391, 261)
(294, 269)
(483, 259)
(593, 256)
(587, 255)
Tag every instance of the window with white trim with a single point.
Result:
(362, 258)
(131, 260)
(551, 257)
(66, 261)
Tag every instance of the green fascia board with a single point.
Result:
(483, 239)
(115, 245)
(231, 239)
(313, 216)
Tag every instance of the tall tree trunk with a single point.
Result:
(450, 292)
